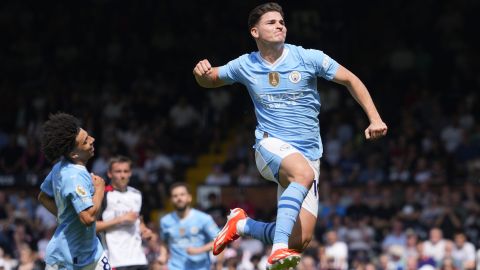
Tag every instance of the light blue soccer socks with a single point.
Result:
(289, 207)
(256, 229)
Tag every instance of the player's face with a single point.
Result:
(84, 149)
(270, 28)
(181, 199)
(120, 174)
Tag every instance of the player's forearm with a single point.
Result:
(362, 96)
(106, 225)
(209, 80)
(206, 248)
(89, 216)
(97, 202)
(163, 256)
(358, 91)
(48, 202)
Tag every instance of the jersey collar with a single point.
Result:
(277, 62)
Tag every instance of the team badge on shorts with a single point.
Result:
(295, 76)
(81, 191)
(274, 78)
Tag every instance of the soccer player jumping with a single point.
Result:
(282, 82)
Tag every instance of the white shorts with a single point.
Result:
(101, 264)
(269, 153)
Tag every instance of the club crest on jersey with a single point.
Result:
(274, 78)
(181, 231)
(194, 230)
(295, 76)
(81, 191)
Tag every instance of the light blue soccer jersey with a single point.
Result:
(285, 94)
(73, 245)
(195, 230)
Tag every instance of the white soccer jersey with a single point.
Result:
(124, 242)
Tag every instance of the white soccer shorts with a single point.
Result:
(269, 153)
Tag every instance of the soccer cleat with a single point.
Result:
(283, 258)
(229, 232)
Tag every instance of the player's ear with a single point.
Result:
(254, 32)
(73, 155)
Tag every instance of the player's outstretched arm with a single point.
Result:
(377, 127)
(48, 202)
(206, 75)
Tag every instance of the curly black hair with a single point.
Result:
(59, 134)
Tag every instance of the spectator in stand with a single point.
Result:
(448, 221)
(183, 115)
(435, 246)
(358, 209)
(216, 209)
(360, 238)
(336, 251)
(11, 157)
(307, 263)
(218, 176)
(28, 259)
(423, 258)
(463, 253)
(396, 237)
(411, 249)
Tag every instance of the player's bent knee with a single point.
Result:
(304, 178)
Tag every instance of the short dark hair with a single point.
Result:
(259, 10)
(118, 159)
(179, 184)
(59, 135)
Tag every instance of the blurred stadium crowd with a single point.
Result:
(408, 201)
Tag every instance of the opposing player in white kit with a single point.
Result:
(73, 195)
(282, 82)
(120, 222)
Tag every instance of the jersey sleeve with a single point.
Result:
(230, 73)
(77, 189)
(323, 64)
(46, 186)
(163, 231)
(211, 229)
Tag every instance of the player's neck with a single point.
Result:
(119, 188)
(184, 213)
(271, 53)
(77, 161)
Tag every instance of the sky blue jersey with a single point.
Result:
(73, 245)
(195, 230)
(285, 94)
